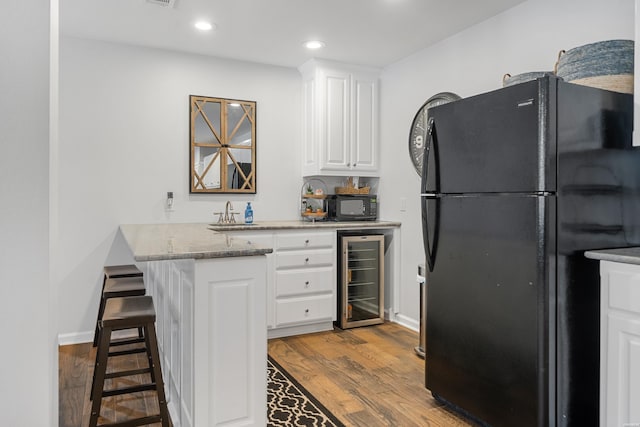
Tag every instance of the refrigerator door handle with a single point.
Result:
(430, 246)
(427, 151)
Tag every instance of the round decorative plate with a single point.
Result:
(418, 131)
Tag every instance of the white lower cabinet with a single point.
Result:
(305, 282)
(265, 239)
(619, 344)
(211, 324)
(301, 279)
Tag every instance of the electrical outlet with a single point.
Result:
(169, 203)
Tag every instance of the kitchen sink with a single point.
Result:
(225, 226)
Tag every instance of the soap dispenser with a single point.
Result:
(248, 214)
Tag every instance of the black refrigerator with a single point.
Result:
(517, 184)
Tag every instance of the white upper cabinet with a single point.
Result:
(340, 119)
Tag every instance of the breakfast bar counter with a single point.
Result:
(209, 292)
(153, 242)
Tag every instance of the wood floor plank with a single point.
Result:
(365, 376)
(76, 364)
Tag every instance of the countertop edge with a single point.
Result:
(301, 225)
(203, 255)
(621, 255)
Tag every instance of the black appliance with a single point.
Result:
(517, 184)
(353, 207)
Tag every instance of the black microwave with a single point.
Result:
(353, 207)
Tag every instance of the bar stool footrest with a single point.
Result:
(128, 373)
(127, 390)
(126, 341)
(126, 352)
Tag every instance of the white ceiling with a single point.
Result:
(366, 32)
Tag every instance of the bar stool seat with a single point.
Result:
(126, 286)
(115, 271)
(126, 313)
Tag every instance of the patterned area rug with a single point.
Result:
(289, 404)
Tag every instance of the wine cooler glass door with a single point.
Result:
(362, 296)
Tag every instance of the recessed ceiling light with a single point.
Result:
(204, 26)
(314, 44)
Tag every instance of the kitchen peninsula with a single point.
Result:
(221, 290)
(209, 293)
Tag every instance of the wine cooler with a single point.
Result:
(361, 280)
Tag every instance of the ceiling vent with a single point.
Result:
(165, 3)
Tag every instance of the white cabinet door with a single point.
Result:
(230, 342)
(364, 139)
(623, 372)
(266, 239)
(619, 344)
(335, 134)
(340, 119)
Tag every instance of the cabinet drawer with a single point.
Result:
(304, 309)
(300, 259)
(298, 282)
(305, 240)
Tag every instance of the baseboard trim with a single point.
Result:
(85, 337)
(407, 322)
(300, 329)
(75, 338)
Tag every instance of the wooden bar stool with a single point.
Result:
(119, 286)
(126, 313)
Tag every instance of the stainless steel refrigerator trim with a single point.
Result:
(345, 240)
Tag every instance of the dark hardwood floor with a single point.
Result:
(75, 375)
(366, 376)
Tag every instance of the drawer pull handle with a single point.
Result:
(306, 260)
(306, 242)
(306, 311)
(306, 284)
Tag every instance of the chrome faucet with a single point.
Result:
(227, 217)
(229, 207)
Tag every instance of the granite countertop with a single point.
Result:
(623, 255)
(153, 242)
(297, 224)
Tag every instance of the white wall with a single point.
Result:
(124, 133)
(27, 324)
(124, 142)
(525, 38)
